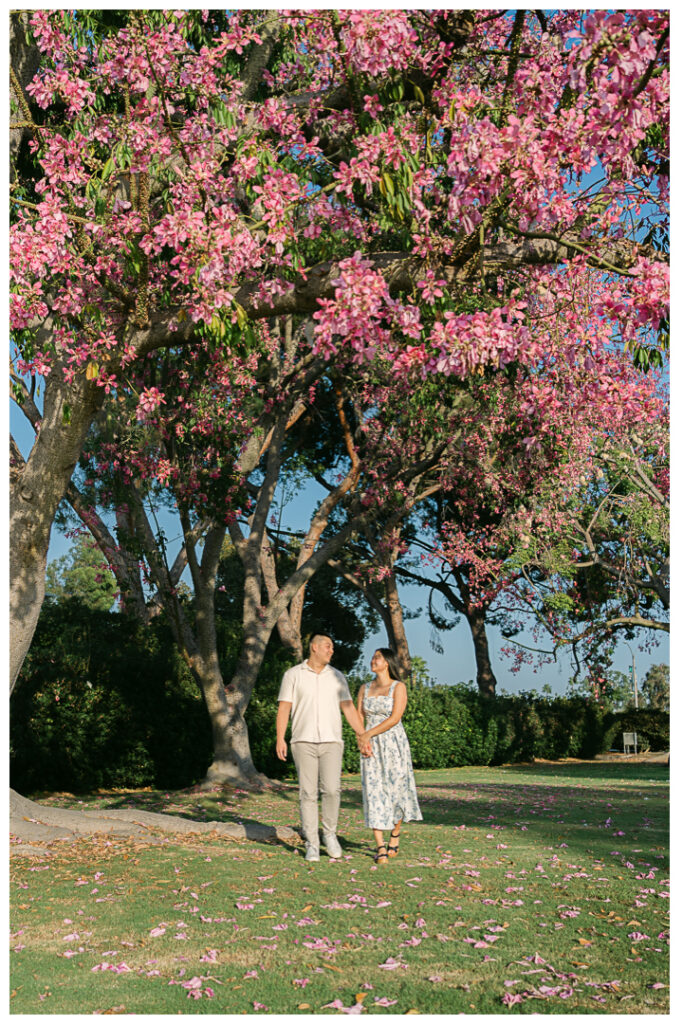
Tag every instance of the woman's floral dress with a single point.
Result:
(389, 792)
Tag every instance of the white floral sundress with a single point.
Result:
(389, 792)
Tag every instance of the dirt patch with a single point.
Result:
(647, 757)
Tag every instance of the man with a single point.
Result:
(313, 692)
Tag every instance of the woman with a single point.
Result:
(389, 794)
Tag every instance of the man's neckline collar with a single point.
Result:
(311, 669)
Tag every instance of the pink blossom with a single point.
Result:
(150, 400)
(511, 998)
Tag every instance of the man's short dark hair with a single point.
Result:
(318, 636)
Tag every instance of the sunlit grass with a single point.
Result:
(544, 886)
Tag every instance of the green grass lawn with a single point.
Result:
(527, 889)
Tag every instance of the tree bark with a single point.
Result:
(232, 754)
(32, 823)
(232, 761)
(399, 640)
(289, 630)
(24, 62)
(37, 486)
(486, 680)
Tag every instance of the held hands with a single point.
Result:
(364, 744)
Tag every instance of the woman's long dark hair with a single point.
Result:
(391, 659)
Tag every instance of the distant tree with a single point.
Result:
(593, 558)
(655, 687)
(421, 676)
(613, 690)
(82, 573)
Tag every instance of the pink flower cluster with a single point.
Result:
(62, 83)
(196, 989)
(466, 341)
(377, 41)
(362, 314)
(150, 400)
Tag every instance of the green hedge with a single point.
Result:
(103, 702)
(453, 726)
(651, 725)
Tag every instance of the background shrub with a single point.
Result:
(103, 702)
(651, 725)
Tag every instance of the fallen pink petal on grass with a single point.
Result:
(510, 998)
(391, 965)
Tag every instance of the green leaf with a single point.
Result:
(242, 318)
(108, 169)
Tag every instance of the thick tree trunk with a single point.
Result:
(232, 761)
(37, 486)
(398, 638)
(486, 680)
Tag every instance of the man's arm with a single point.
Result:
(284, 709)
(356, 722)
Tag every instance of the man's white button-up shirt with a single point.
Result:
(315, 699)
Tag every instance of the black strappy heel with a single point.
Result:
(393, 850)
(379, 854)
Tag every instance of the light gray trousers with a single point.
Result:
(318, 766)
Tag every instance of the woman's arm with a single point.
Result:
(359, 704)
(400, 702)
(355, 718)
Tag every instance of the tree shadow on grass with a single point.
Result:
(601, 820)
(587, 803)
(202, 807)
(629, 771)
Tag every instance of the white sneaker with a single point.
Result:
(312, 852)
(332, 846)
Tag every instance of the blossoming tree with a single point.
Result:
(599, 567)
(514, 500)
(194, 451)
(174, 169)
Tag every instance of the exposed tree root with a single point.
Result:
(34, 822)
